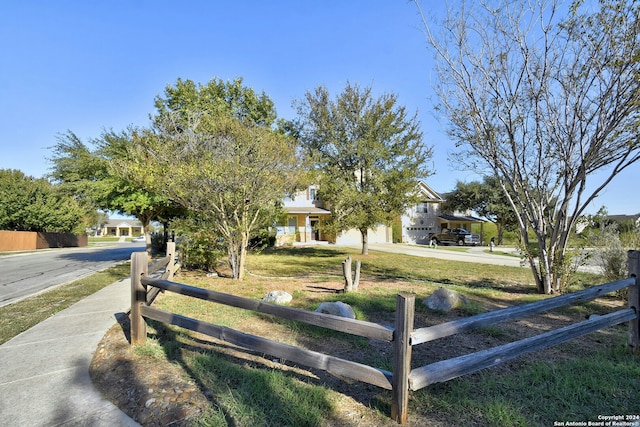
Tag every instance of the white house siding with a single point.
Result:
(416, 227)
(422, 219)
(379, 234)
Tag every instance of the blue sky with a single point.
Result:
(87, 66)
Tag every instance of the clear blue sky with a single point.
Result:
(87, 66)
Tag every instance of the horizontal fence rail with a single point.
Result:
(402, 336)
(449, 369)
(337, 323)
(442, 330)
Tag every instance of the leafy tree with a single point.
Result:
(213, 151)
(487, 199)
(217, 98)
(79, 173)
(369, 155)
(29, 204)
(547, 104)
(88, 173)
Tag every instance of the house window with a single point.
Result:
(422, 207)
(292, 225)
(313, 193)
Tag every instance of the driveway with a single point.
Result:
(475, 254)
(467, 254)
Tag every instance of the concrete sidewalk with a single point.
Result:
(44, 371)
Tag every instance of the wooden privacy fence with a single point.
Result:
(402, 336)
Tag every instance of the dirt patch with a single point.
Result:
(159, 392)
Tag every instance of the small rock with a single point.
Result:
(337, 308)
(149, 402)
(277, 297)
(444, 300)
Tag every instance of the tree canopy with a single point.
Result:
(88, 172)
(487, 199)
(368, 153)
(30, 204)
(212, 150)
(546, 103)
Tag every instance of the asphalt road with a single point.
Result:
(26, 274)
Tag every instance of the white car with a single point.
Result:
(139, 239)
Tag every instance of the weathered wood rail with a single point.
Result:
(402, 336)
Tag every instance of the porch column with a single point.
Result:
(307, 228)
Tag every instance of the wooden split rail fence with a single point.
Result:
(402, 336)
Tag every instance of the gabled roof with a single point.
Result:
(427, 193)
(460, 218)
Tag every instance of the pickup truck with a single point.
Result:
(458, 236)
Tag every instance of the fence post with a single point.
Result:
(139, 268)
(171, 254)
(405, 304)
(634, 299)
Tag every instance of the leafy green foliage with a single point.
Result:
(218, 98)
(200, 248)
(212, 151)
(486, 198)
(368, 152)
(90, 173)
(29, 204)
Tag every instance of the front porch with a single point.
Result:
(303, 226)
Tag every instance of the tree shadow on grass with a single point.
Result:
(246, 387)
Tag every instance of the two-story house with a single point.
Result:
(427, 217)
(306, 213)
(422, 219)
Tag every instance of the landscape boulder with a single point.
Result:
(444, 300)
(277, 297)
(337, 308)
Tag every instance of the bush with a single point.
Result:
(200, 251)
(158, 245)
(610, 254)
(200, 248)
(266, 238)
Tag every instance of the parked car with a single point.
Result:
(139, 239)
(458, 236)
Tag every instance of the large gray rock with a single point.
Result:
(444, 300)
(337, 308)
(277, 297)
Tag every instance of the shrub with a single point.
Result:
(200, 248)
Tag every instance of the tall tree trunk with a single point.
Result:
(233, 259)
(243, 255)
(545, 260)
(365, 242)
(500, 229)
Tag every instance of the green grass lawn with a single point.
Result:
(575, 381)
